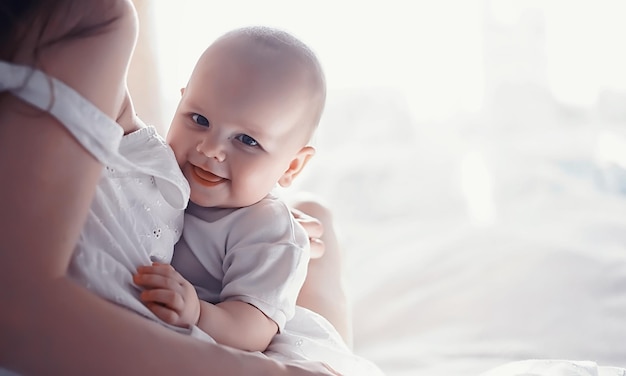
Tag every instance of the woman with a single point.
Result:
(52, 177)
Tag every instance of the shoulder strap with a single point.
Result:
(97, 132)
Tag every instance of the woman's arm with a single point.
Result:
(324, 289)
(50, 325)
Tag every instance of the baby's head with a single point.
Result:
(246, 116)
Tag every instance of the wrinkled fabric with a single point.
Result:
(136, 215)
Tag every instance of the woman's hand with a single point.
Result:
(314, 229)
(168, 295)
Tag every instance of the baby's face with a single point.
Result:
(239, 127)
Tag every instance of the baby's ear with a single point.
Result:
(297, 164)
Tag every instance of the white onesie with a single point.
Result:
(257, 254)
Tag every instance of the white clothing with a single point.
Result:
(256, 254)
(137, 212)
(259, 254)
(554, 367)
(131, 221)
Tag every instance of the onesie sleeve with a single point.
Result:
(266, 260)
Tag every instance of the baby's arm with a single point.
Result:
(237, 324)
(174, 300)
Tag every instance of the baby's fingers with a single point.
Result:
(159, 276)
(165, 270)
(162, 297)
(164, 313)
(156, 281)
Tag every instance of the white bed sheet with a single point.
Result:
(441, 288)
(555, 368)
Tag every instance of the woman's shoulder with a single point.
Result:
(71, 62)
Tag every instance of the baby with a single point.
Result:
(242, 126)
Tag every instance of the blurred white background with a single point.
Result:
(445, 56)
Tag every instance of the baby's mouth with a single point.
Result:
(205, 177)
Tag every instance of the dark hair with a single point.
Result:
(28, 22)
(19, 17)
(12, 14)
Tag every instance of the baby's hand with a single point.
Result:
(168, 295)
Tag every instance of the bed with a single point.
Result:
(471, 245)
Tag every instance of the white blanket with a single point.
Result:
(469, 248)
(555, 368)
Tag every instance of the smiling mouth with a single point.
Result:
(206, 178)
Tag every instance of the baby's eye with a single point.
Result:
(247, 140)
(200, 120)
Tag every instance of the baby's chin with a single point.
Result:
(206, 202)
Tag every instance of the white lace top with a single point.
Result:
(137, 212)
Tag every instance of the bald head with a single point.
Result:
(277, 56)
